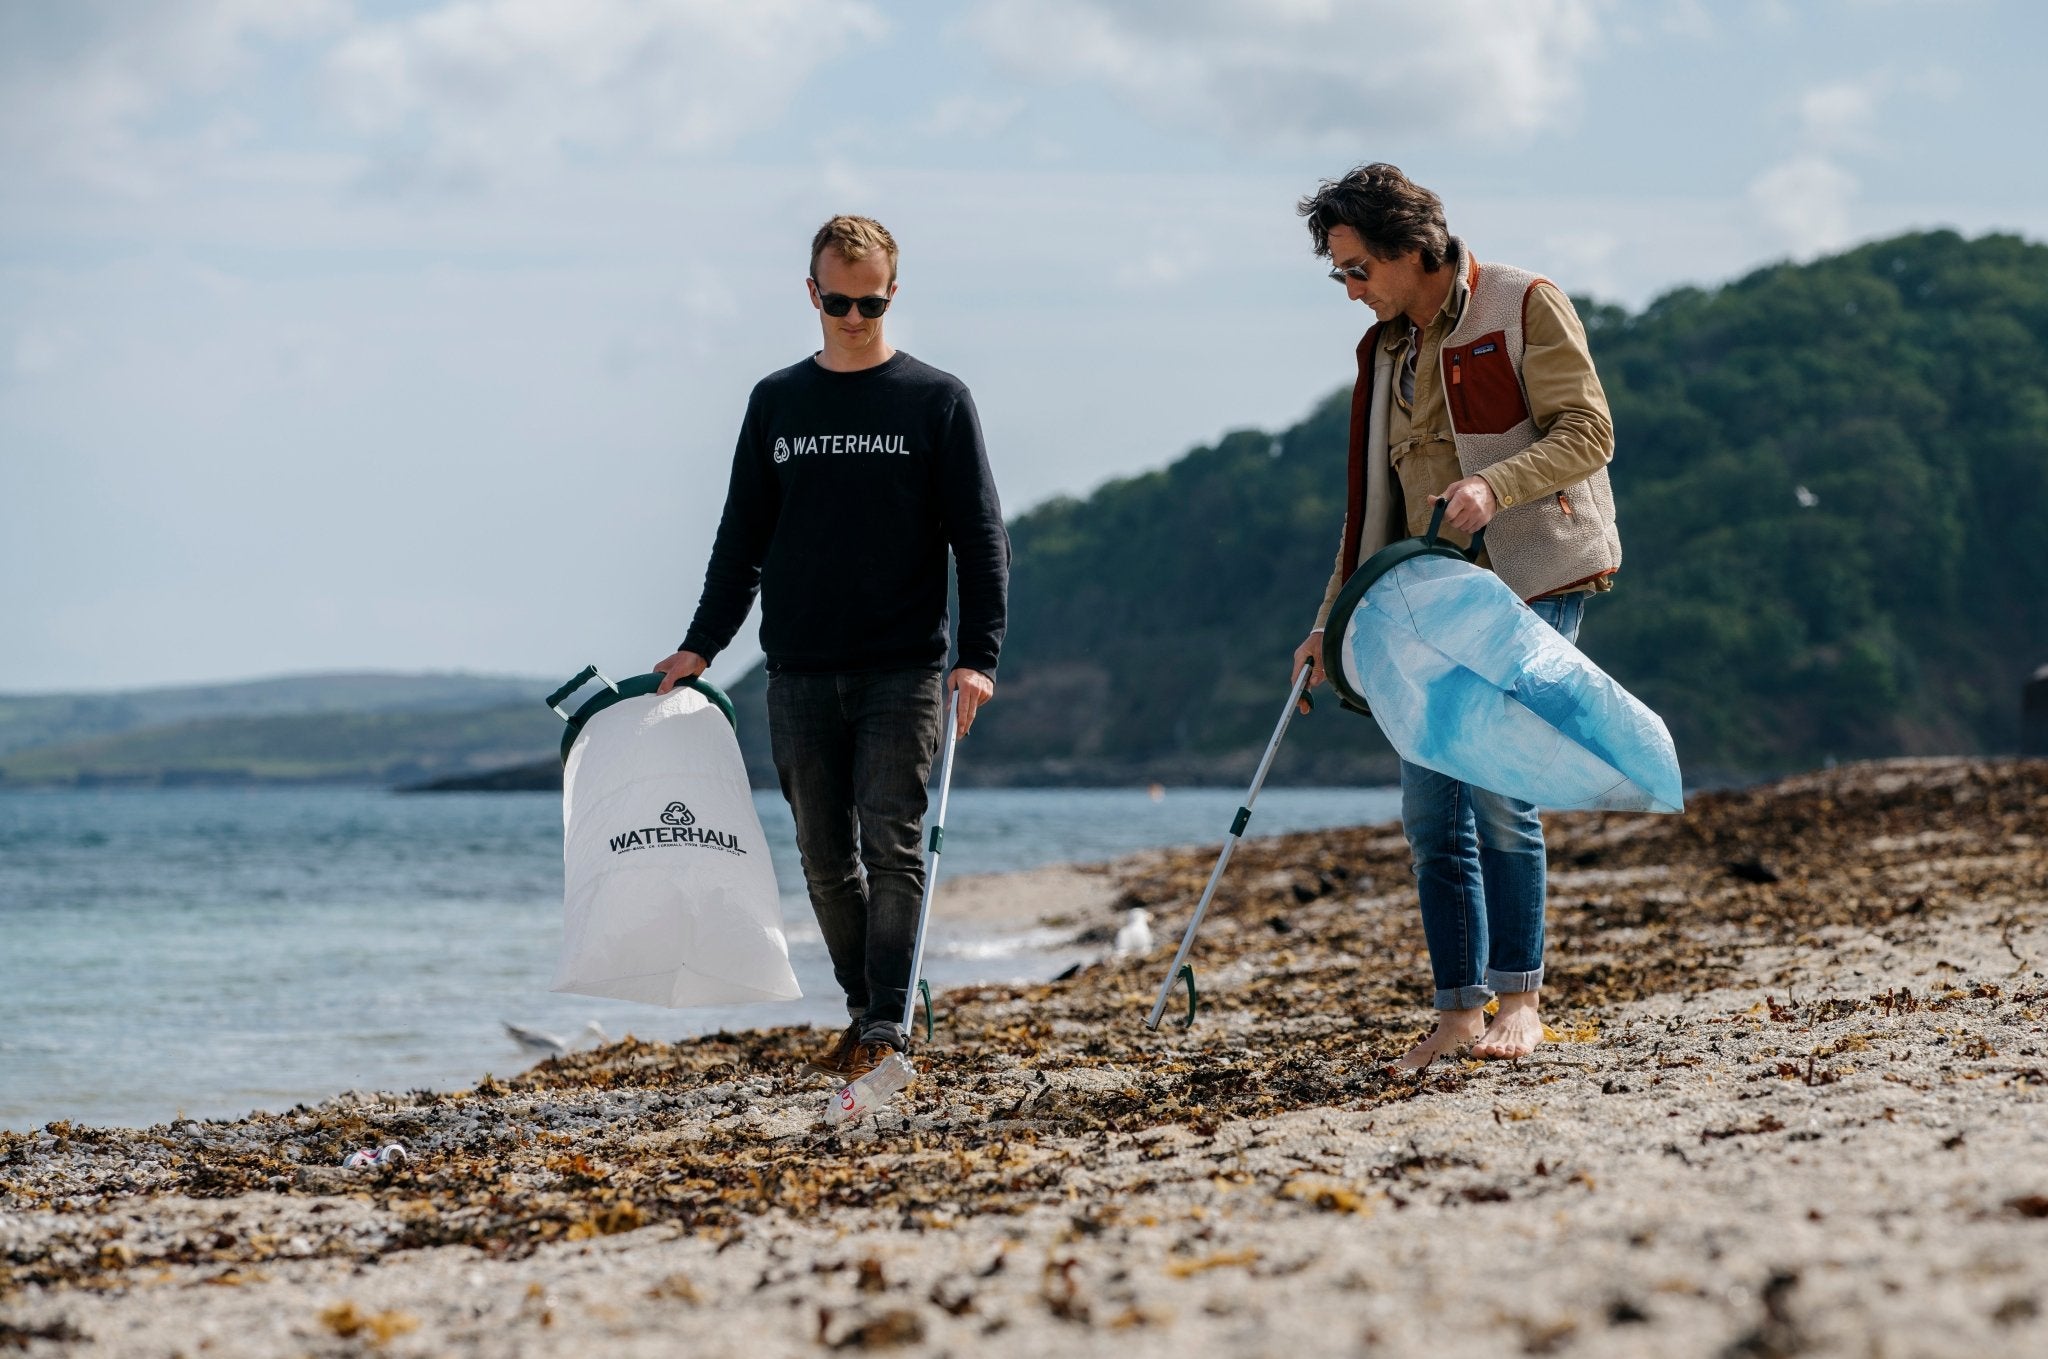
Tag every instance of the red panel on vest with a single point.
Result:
(1361, 411)
(1485, 395)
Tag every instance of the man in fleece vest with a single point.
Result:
(1475, 388)
(856, 470)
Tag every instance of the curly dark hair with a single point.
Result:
(1390, 212)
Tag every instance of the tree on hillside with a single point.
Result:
(1834, 492)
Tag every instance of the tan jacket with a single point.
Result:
(1412, 453)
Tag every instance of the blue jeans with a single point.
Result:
(852, 751)
(1479, 870)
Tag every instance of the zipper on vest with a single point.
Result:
(1564, 503)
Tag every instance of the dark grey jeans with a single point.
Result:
(853, 751)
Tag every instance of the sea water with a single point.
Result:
(208, 952)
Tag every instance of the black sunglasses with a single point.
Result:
(838, 304)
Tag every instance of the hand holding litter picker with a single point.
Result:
(1181, 967)
(859, 1098)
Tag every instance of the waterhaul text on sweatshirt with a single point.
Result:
(847, 490)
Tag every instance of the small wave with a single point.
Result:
(1001, 945)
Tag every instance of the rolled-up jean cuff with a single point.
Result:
(1514, 983)
(892, 1034)
(1463, 998)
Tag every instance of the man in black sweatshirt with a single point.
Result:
(856, 470)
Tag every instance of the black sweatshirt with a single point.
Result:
(846, 491)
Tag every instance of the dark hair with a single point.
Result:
(1390, 212)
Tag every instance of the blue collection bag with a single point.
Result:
(1465, 679)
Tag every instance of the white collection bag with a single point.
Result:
(669, 897)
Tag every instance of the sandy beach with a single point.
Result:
(1794, 1106)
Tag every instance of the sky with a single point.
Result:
(369, 334)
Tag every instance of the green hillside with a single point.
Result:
(1897, 608)
(364, 747)
(1905, 386)
(1152, 623)
(28, 720)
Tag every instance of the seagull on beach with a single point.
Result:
(539, 1044)
(1135, 935)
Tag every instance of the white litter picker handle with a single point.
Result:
(1181, 967)
(935, 840)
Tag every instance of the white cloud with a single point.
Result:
(1690, 20)
(40, 350)
(1165, 264)
(968, 115)
(1309, 72)
(79, 79)
(485, 88)
(1841, 114)
(1809, 201)
(1585, 261)
(841, 180)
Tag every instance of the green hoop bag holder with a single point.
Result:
(668, 894)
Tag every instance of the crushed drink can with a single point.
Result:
(859, 1098)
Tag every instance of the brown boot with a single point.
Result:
(837, 1063)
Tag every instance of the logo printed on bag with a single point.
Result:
(679, 828)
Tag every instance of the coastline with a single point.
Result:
(349, 981)
(1789, 1115)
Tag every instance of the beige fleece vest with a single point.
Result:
(1558, 541)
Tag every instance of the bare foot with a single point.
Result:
(1515, 1032)
(1454, 1029)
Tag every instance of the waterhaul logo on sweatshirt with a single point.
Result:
(678, 827)
(812, 445)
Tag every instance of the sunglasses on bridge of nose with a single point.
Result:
(838, 304)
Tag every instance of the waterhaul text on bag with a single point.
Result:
(668, 894)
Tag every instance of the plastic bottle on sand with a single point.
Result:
(392, 1155)
(870, 1092)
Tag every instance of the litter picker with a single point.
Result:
(864, 1096)
(1182, 968)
